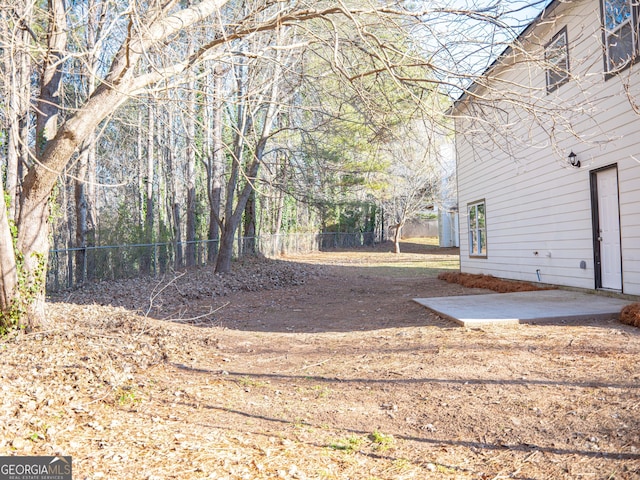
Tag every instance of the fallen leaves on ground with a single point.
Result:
(328, 372)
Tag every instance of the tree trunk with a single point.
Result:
(95, 25)
(17, 67)
(8, 268)
(66, 185)
(90, 199)
(215, 170)
(80, 198)
(232, 222)
(397, 236)
(174, 206)
(225, 252)
(51, 83)
(231, 217)
(177, 235)
(85, 183)
(250, 224)
(281, 196)
(140, 159)
(33, 242)
(191, 180)
(92, 195)
(145, 264)
(33, 220)
(149, 203)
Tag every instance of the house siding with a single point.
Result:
(538, 207)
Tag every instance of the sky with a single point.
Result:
(463, 45)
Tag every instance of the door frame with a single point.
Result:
(595, 220)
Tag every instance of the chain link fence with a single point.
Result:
(71, 267)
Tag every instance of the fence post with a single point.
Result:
(57, 273)
(84, 265)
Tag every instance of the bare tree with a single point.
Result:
(215, 159)
(14, 23)
(260, 100)
(147, 41)
(413, 177)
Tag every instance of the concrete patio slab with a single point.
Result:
(525, 307)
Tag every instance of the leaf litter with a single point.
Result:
(316, 367)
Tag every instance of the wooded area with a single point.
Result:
(142, 122)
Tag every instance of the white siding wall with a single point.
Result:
(535, 201)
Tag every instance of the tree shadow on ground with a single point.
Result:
(526, 382)
(340, 290)
(409, 246)
(476, 446)
(363, 289)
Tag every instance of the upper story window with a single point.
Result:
(620, 33)
(556, 56)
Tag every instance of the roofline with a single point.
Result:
(545, 11)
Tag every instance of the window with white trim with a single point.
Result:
(620, 33)
(477, 229)
(556, 56)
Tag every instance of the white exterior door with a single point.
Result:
(608, 229)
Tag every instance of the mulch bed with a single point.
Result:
(630, 315)
(489, 282)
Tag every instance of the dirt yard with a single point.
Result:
(317, 367)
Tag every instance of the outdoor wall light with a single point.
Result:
(573, 160)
